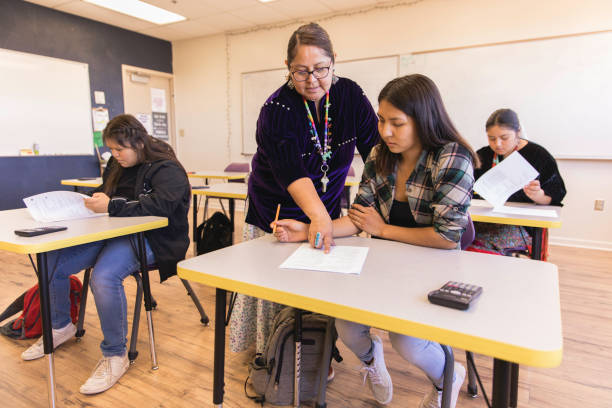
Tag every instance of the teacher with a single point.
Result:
(307, 132)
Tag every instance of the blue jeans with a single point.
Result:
(112, 260)
(426, 355)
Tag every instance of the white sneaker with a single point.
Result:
(434, 398)
(108, 371)
(377, 375)
(60, 336)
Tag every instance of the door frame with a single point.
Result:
(127, 69)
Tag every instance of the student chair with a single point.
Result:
(345, 199)
(141, 288)
(235, 167)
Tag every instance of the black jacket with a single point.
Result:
(163, 190)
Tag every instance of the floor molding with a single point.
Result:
(581, 243)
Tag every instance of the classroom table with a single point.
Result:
(517, 319)
(80, 231)
(218, 175)
(482, 211)
(82, 182)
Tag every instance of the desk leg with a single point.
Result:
(232, 209)
(514, 376)
(45, 312)
(536, 244)
(195, 225)
(218, 370)
(297, 334)
(146, 288)
(501, 383)
(449, 375)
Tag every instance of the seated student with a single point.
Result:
(504, 133)
(416, 188)
(143, 178)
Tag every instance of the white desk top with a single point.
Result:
(80, 231)
(218, 174)
(517, 318)
(482, 211)
(82, 183)
(224, 190)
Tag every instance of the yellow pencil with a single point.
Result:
(276, 219)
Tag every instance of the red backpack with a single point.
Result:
(29, 324)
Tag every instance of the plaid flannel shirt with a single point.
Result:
(438, 190)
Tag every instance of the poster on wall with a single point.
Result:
(145, 119)
(158, 100)
(160, 125)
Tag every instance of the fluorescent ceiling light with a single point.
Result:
(139, 9)
(266, 1)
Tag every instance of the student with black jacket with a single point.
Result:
(143, 178)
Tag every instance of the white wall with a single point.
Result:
(206, 92)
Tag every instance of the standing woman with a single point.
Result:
(504, 134)
(307, 133)
(416, 188)
(142, 178)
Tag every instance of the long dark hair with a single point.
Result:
(309, 34)
(419, 98)
(505, 118)
(127, 131)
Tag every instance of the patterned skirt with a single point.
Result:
(252, 318)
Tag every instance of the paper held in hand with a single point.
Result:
(58, 206)
(503, 180)
(340, 259)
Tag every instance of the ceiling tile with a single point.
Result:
(196, 28)
(192, 9)
(51, 3)
(225, 22)
(339, 5)
(104, 15)
(295, 9)
(259, 14)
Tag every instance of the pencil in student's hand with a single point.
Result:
(276, 219)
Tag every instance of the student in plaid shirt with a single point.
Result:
(416, 188)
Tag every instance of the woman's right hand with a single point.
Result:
(323, 226)
(290, 230)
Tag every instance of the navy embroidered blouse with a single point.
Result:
(285, 151)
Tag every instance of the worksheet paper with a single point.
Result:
(506, 178)
(58, 206)
(340, 259)
(504, 209)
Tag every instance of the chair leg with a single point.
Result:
(205, 213)
(222, 207)
(80, 331)
(449, 374)
(133, 353)
(203, 318)
(472, 387)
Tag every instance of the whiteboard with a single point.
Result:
(561, 89)
(371, 74)
(46, 101)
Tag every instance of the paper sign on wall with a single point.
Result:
(100, 118)
(158, 100)
(160, 125)
(145, 119)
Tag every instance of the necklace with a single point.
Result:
(496, 157)
(325, 150)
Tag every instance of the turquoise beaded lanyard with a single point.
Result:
(325, 150)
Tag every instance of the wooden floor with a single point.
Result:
(185, 352)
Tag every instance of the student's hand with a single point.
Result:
(97, 203)
(367, 219)
(535, 192)
(322, 225)
(290, 230)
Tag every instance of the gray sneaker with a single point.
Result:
(377, 375)
(434, 398)
(60, 336)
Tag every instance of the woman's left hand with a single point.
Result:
(367, 219)
(97, 203)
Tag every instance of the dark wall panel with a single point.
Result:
(39, 30)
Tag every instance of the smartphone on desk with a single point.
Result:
(32, 232)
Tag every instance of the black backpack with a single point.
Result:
(214, 233)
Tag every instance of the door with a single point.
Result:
(149, 96)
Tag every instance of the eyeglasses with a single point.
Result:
(318, 73)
